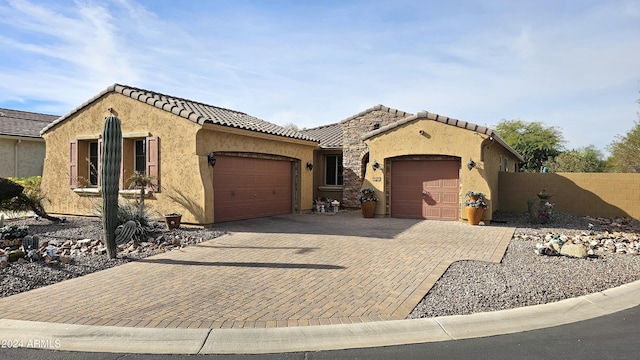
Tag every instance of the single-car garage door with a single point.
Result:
(425, 189)
(246, 188)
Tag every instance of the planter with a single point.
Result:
(474, 214)
(173, 221)
(368, 208)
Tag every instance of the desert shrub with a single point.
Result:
(8, 190)
(141, 215)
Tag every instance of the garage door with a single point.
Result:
(425, 189)
(246, 188)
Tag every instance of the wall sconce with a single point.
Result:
(471, 164)
(309, 166)
(211, 158)
(375, 165)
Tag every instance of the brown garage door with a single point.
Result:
(425, 189)
(246, 188)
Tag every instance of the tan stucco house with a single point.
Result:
(420, 165)
(214, 165)
(21, 147)
(210, 164)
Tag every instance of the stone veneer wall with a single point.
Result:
(354, 149)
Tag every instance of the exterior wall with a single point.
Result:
(30, 156)
(219, 139)
(178, 160)
(584, 194)
(427, 137)
(493, 162)
(354, 149)
(185, 176)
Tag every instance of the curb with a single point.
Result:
(68, 337)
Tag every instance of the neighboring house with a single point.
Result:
(21, 147)
(210, 164)
(419, 165)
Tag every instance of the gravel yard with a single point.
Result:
(522, 278)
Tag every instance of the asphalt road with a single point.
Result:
(613, 336)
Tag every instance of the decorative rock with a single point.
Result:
(574, 250)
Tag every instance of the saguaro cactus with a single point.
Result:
(110, 175)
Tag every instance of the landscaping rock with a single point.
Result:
(574, 250)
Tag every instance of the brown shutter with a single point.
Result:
(121, 186)
(73, 164)
(153, 161)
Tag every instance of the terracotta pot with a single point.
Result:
(474, 215)
(368, 208)
(173, 221)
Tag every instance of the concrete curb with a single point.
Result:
(315, 338)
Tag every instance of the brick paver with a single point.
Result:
(296, 270)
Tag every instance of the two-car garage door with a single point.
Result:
(247, 187)
(425, 189)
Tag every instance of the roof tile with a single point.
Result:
(197, 112)
(23, 123)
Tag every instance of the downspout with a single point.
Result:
(15, 161)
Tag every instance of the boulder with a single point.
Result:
(574, 250)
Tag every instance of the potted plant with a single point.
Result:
(475, 205)
(368, 201)
(173, 220)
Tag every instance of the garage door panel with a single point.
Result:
(425, 189)
(246, 188)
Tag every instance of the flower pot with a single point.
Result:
(173, 221)
(368, 208)
(474, 214)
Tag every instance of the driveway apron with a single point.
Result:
(292, 270)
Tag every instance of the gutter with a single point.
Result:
(15, 157)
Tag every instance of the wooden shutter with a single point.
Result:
(153, 161)
(73, 164)
(121, 185)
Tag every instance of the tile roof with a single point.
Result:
(330, 136)
(23, 123)
(445, 120)
(195, 111)
(378, 107)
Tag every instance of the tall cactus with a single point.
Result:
(110, 175)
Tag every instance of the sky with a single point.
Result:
(570, 64)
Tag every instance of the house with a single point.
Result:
(419, 165)
(209, 163)
(21, 147)
(213, 164)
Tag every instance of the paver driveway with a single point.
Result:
(293, 270)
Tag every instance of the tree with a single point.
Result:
(534, 141)
(625, 151)
(586, 159)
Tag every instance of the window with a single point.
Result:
(140, 161)
(93, 163)
(139, 155)
(506, 164)
(333, 170)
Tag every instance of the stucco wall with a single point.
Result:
(584, 194)
(427, 137)
(185, 176)
(179, 163)
(30, 153)
(354, 148)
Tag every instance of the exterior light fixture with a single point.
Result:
(375, 165)
(471, 164)
(211, 158)
(309, 166)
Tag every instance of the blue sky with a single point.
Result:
(570, 64)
